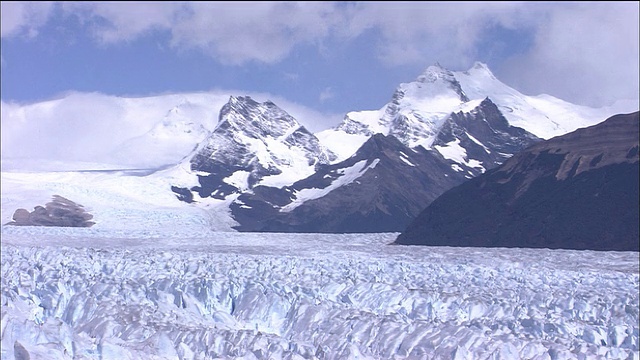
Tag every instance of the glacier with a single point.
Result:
(87, 293)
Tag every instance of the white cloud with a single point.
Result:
(236, 33)
(584, 52)
(587, 53)
(91, 127)
(112, 22)
(326, 94)
(23, 18)
(78, 127)
(415, 32)
(231, 32)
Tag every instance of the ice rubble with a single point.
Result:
(83, 294)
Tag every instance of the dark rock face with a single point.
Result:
(393, 184)
(59, 212)
(183, 194)
(485, 135)
(576, 191)
(389, 185)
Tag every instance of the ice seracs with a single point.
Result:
(92, 295)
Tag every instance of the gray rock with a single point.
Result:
(59, 212)
(21, 216)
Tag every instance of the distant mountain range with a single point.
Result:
(575, 191)
(233, 163)
(376, 170)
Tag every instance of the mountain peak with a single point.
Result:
(252, 141)
(435, 72)
(438, 80)
(480, 69)
(256, 119)
(480, 65)
(247, 102)
(241, 100)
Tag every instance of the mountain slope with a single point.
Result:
(576, 191)
(181, 129)
(257, 148)
(251, 142)
(480, 139)
(273, 181)
(379, 189)
(419, 108)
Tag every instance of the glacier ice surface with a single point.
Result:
(90, 294)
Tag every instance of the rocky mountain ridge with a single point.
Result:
(420, 151)
(576, 191)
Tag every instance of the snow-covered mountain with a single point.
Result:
(418, 110)
(451, 116)
(90, 131)
(258, 168)
(377, 189)
(96, 131)
(177, 133)
(157, 277)
(254, 143)
(277, 176)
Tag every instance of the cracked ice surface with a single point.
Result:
(85, 294)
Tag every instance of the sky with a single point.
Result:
(335, 56)
(327, 58)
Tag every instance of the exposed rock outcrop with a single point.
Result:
(59, 212)
(379, 189)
